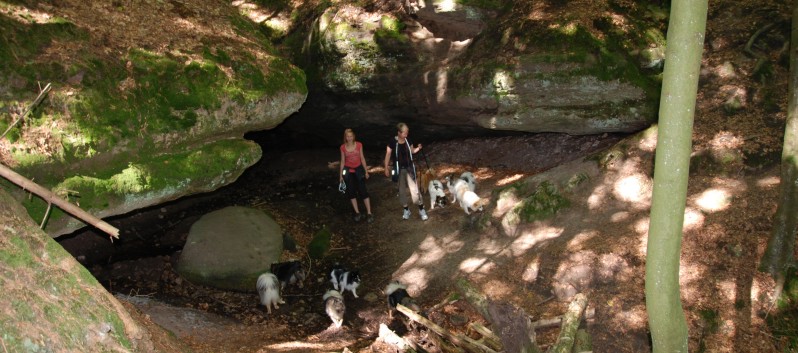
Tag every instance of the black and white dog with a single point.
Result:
(436, 194)
(334, 306)
(397, 294)
(343, 279)
(290, 272)
(468, 177)
(269, 291)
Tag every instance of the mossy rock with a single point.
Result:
(51, 302)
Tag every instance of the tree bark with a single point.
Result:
(52, 198)
(779, 252)
(677, 105)
(570, 324)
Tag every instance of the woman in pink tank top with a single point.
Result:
(354, 172)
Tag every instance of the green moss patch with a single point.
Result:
(141, 178)
(544, 202)
(320, 243)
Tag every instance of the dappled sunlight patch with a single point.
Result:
(574, 275)
(509, 179)
(621, 216)
(691, 274)
(293, 346)
(641, 227)
(528, 239)
(713, 200)
(635, 189)
(693, 219)
(634, 318)
(497, 289)
(596, 199)
(432, 249)
(768, 182)
(416, 278)
(578, 241)
(477, 265)
(532, 270)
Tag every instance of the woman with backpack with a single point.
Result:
(403, 170)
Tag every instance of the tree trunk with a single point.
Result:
(785, 223)
(677, 105)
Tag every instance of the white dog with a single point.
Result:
(465, 197)
(269, 291)
(436, 194)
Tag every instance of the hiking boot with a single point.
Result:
(370, 218)
(423, 215)
(357, 217)
(406, 214)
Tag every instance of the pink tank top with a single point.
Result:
(352, 159)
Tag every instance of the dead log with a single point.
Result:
(390, 337)
(52, 198)
(488, 337)
(570, 324)
(460, 340)
(556, 321)
(516, 332)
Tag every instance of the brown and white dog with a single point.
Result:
(424, 178)
(467, 199)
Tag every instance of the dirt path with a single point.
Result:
(298, 188)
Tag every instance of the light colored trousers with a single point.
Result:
(406, 182)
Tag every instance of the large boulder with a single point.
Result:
(229, 248)
(136, 117)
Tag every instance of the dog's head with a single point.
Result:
(354, 276)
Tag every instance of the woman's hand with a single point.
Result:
(387, 171)
(367, 174)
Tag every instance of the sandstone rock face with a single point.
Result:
(230, 248)
(438, 70)
(137, 118)
(47, 293)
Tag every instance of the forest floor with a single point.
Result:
(597, 245)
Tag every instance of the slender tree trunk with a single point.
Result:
(785, 223)
(677, 105)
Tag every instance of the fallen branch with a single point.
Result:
(516, 333)
(388, 336)
(556, 321)
(51, 197)
(458, 339)
(489, 338)
(570, 324)
(750, 44)
(33, 105)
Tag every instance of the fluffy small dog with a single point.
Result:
(467, 199)
(343, 279)
(334, 306)
(290, 272)
(424, 178)
(470, 180)
(397, 294)
(269, 291)
(436, 194)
